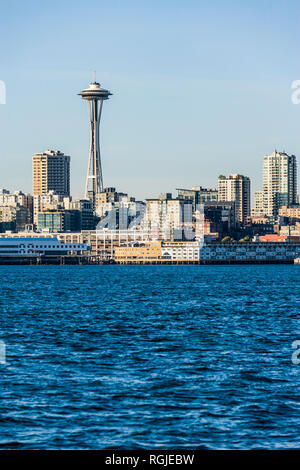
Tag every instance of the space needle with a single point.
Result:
(94, 95)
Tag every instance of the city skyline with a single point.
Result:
(149, 245)
(251, 204)
(209, 103)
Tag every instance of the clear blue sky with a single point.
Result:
(201, 88)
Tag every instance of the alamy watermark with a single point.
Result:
(2, 92)
(296, 353)
(2, 352)
(295, 97)
(179, 224)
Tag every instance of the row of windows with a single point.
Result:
(68, 246)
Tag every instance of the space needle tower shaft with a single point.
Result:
(94, 95)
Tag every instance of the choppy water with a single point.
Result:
(148, 357)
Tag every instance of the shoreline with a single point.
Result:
(85, 261)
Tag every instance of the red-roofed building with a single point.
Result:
(273, 237)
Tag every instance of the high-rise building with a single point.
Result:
(258, 208)
(51, 172)
(236, 188)
(94, 95)
(279, 182)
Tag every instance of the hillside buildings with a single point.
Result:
(48, 201)
(16, 210)
(117, 210)
(17, 198)
(165, 216)
(112, 219)
(67, 216)
(13, 218)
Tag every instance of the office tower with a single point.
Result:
(236, 188)
(51, 172)
(279, 182)
(219, 217)
(83, 214)
(94, 95)
(258, 208)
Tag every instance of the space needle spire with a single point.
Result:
(94, 95)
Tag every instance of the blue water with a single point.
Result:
(103, 357)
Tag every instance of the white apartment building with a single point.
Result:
(165, 215)
(236, 188)
(279, 182)
(258, 208)
(17, 199)
(122, 214)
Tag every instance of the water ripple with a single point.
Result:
(102, 357)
